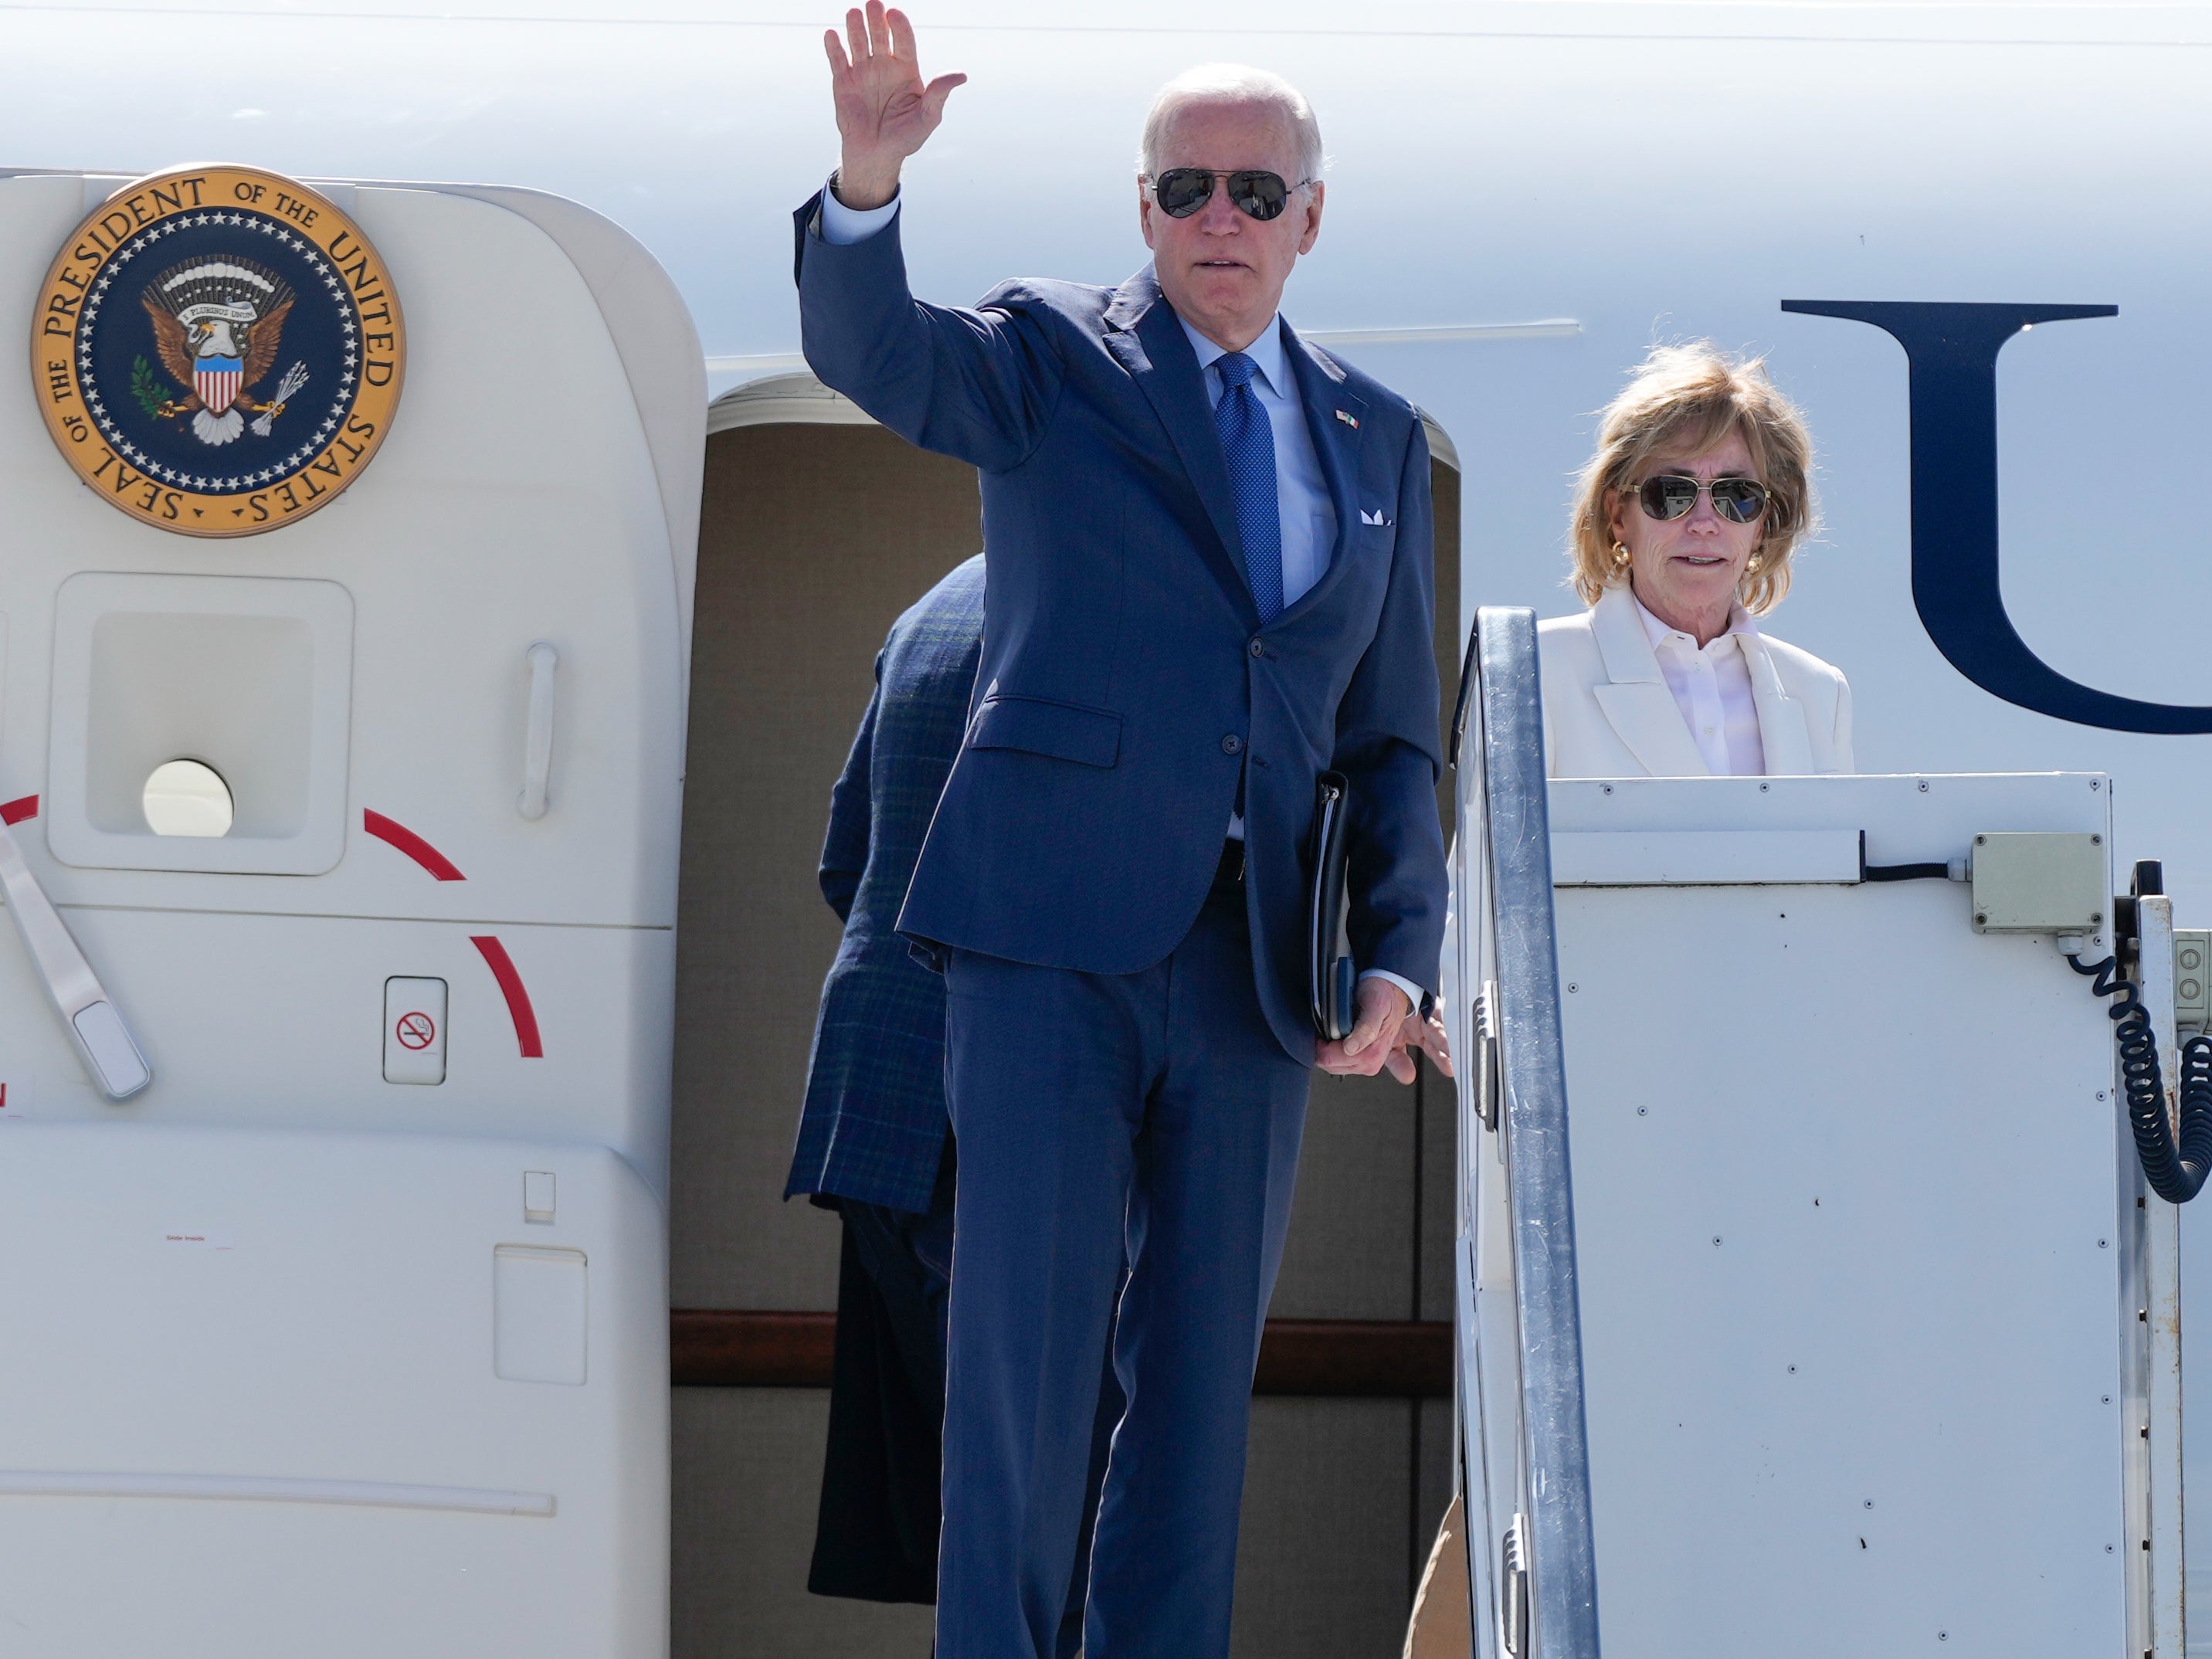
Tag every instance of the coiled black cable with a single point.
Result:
(2174, 1165)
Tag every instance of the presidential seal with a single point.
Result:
(217, 351)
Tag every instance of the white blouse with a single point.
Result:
(1712, 688)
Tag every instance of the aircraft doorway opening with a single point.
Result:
(817, 528)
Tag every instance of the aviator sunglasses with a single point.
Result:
(1670, 495)
(1181, 191)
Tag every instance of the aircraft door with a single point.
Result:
(347, 1335)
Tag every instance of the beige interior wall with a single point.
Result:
(812, 539)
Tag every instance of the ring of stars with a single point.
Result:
(216, 483)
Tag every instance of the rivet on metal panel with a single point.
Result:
(1572, 987)
(1923, 786)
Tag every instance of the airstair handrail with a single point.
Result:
(1515, 825)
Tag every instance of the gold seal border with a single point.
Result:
(90, 249)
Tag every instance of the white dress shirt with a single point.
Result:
(1711, 685)
(842, 226)
(1308, 513)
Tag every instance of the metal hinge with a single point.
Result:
(1513, 1586)
(1487, 1082)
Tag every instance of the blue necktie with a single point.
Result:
(1248, 442)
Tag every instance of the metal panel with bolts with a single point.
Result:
(2039, 884)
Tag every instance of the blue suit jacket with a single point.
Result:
(874, 1124)
(1126, 681)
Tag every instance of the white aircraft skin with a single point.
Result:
(1645, 171)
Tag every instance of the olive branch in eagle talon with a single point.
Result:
(147, 390)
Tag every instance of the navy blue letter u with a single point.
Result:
(1951, 355)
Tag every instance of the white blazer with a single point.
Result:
(1608, 714)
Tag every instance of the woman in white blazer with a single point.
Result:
(1683, 529)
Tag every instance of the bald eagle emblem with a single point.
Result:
(218, 350)
(218, 325)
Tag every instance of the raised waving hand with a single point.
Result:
(886, 110)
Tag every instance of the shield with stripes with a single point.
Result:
(216, 378)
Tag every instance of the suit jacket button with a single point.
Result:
(1232, 745)
(1259, 649)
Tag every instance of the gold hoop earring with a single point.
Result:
(1620, 555)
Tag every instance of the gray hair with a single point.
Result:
(1232, 83)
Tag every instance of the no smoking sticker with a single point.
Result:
(413, 1029)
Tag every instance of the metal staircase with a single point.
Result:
(1524, 1454)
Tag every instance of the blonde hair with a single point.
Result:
(1694, 396)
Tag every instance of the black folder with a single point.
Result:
(1328, 957)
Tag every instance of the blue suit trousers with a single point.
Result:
(1154, 1112)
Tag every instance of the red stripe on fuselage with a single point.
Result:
(400, 836)
(517, 998)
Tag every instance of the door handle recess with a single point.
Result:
(537, 746)
(102, 1041)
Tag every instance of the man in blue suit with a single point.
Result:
(1210, 549)
(874, 1141)
(873, 1128)
(873, 1137)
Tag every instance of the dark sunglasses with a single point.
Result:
(1181, 191)
(1671, 495)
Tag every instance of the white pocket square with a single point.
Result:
(1376, 517)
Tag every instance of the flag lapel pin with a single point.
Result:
(1347, 420)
